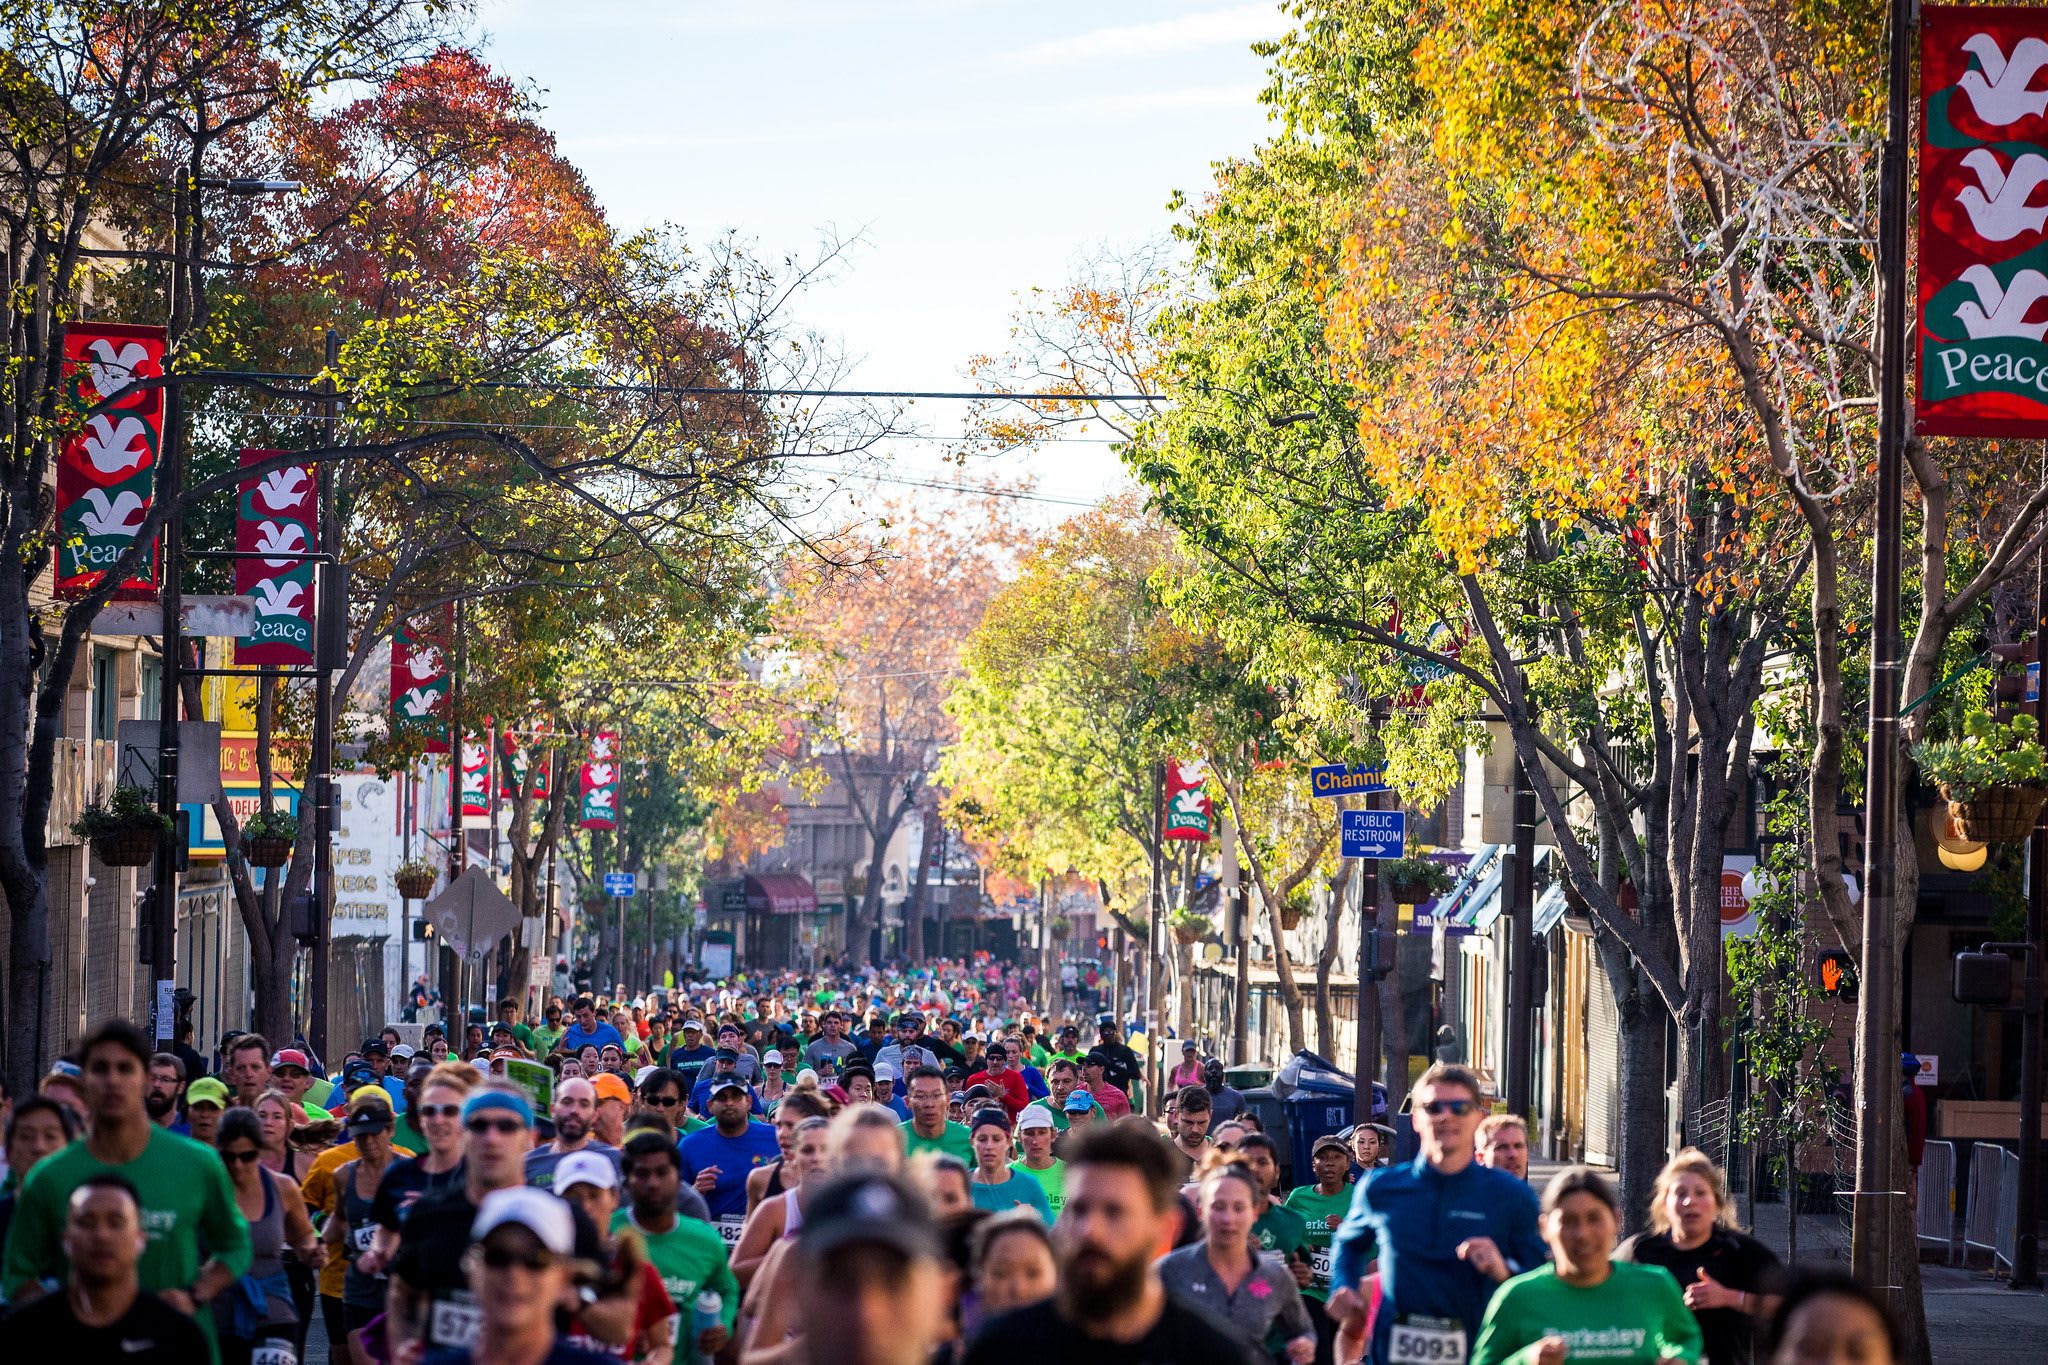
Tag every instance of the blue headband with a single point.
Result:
(510, 1101)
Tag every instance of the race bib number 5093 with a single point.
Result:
(1427, 1341)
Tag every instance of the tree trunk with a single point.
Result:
(1643, 1146)
(920, 892)
(1326, 959)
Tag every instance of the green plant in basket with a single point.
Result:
(416, 867)
(1417, 874)
(1189, 925)
(127, 808)
(1988, 755)
(275, 823)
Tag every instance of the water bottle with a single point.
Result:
(703, 1318)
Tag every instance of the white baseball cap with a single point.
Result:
(772, 1057)
(885, 1072)
(1034, 1116)
(586, 1168)
(545, 1215)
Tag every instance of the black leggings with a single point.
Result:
(337, 1329)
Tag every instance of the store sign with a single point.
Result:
(106, 471)
(1983, 222)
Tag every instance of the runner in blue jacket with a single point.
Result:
(1445, 1231)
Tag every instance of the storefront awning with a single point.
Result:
(781, 893)
(1549, 909)
(1486, 902)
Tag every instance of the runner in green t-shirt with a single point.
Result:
(1034, 1136)
(1279, 1230)
(929, 1130)
(186, 1199)
(1597, 1308)
(689, 1255)
(1322, 1207)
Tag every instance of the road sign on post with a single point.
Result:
(1337, 779)
(618, 883)
(1373, 833)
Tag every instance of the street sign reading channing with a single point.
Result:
(1373, 834)
(618, 883)
(1338, 779)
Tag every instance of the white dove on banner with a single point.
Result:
(601, 774)
(113, 370)
(114, 446)
(280, 488)
(278, 597)
(600, 798)
(472, 755)
(1998, 311)
(1997, 203)
(1188, 803)
(121, 517)
(2004, 97)
(286, 540)
(424, 663)
(418, 702)
(601, 747)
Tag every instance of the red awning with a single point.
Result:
(781, 893)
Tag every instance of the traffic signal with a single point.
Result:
(2018, 669)
(1836, 972)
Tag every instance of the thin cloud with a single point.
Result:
(1164, 37)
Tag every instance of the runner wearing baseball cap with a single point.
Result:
(1035, 1133)
(871, 1274)
(718, 1159)
(588, 1181)
(520, 1262)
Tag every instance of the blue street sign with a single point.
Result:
(2033, 682)
(1336, 779)
(618, 883)
(1373, 834)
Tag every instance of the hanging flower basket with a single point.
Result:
(1290, 914)
(267, 851)
(125, 830)
(1185, 936)
(1997, 815)
(1415, 879)
(1188, 927)
(134, 846)
(415, 880)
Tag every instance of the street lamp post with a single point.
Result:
(183, 284)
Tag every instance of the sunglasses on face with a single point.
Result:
(505, 1127)
(504, 1258)
(661, 1101)
(439, 1111)
(1436, 1109)
(241, 1158)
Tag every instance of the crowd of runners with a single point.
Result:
(866, 1166)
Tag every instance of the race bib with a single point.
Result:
(274, 1353)
(360, 1238)
(729, 1229)
(1426, 1341)
(1320, 1259)
(454, 1320)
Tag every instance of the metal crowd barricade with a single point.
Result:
(1992, 1221)
(1935, 1214)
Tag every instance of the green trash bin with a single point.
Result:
(1247, 1077)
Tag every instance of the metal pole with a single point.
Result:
(1520, 887)
(320, 780)
(1240, 938)
(163, 924)
(2026, 1259)
(1155, 936)
(1878, 1199)
(1368, 996)
(452, 997)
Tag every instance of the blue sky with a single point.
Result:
(980, 146)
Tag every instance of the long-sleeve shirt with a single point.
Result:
(1015, 1093)
(1264, 1297)
(1418, 1217)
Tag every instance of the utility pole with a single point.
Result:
(1368, 1068)
(458, 843)
(1241, 940)
(330, 627)
(1521, 890)
(1878, 1199)
(1155, 938)
(2026, 1258)
(170, 490)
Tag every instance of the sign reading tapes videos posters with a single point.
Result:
(1983, 222)
(277, 518)
(106, 472)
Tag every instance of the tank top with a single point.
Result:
(775, 1185)
(266, 1253)
(792, 1214)
(358, 1290)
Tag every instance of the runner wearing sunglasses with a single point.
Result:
(1444, 1230)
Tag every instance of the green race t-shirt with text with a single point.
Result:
(690, 1258)
(1053, 1180)
(1321, 1214)
(955, 1141)
(1636, 1316)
